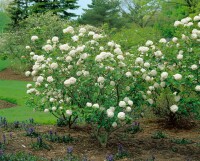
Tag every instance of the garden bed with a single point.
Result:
(5, 104)
(150, 140)
(9, 74)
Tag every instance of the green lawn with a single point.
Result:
(17, 90)
(4, 64)
(4, 20)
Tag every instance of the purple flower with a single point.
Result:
(69, 150)
(4, 138)
(1, 152)
(110, 158)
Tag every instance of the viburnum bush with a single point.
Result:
(170, 70)
(85, 76)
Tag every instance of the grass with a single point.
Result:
(17, 90)
(4, 64)
(4, 20)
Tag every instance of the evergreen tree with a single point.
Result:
(101, 12)
(60, 7)
(17, 10)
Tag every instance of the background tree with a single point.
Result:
(17, 10)
(101, 12)
(59, 7)
(140, 12)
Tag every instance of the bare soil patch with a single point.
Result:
(140, 146)
(9, 74)
(5, 104)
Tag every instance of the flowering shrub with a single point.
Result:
(170, 70)
(13, 43)
(85, 76)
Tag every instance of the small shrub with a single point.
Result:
(159, 135)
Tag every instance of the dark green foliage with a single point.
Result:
(58, 7)
(101, 12)
(181, 141)
(159, 135)
(17, 10)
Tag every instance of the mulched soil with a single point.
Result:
(9, 74)
(5, 104)
(140, 146)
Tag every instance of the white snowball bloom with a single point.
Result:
(68, 59)
(32, 53)
(50, 79)
(153, 73)
(150, 101)
(52, 100)
(91, 33)
(82, 30)
(163, 40)
(28, 85)
(147, 65)
(95, 105)
(128, 74)
(46, 110)
(88, 104)
(196, 18)
(194, 36)
(70, 81)
(177, 76)
(148, 78)
(128, 109)
(149, 43)
(174, 108)
(163, 84)
(100, 79)
(156, 85)
(122, 104)
(174, 39)
(177, 98)
(75, 38)
(121, 116)
(54, 108)
(27, 73)
(69, 112)
(158, 53)
(112, 108)
(34, 38)
(177, 23)
(48, 48)
(69, 29)
(101, 48)
(130, 103)
(111, 44)
(194, 67)
(128, 88)
(110, 113)
(112, 83)
(197, 88)
(97, 36)
(120, 57)
(114, 124)
(139, 61)
(64, 47)
(118, 51)
(28, 47)
(55, 39)
(143, 49)
(179, 56)
(54, 66)
(164, 75)
(40, 79)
